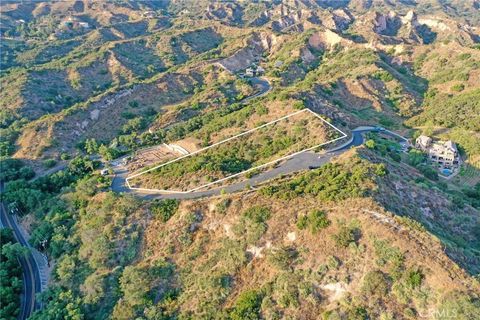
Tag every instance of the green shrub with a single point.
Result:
(223, 205)
(458, 87)
(415, 157)
(11, 279)
(389, 256)
(257, 214)
(133, 104)
(108, 153)
(370, 144)
(345, 236)
(247, 306)
(314, 221)
(414, 278)
(13, 169)
(164, 209)
(127, 115)
(429, 172)
(49, 163)
(298, 105)
(383, 75)
(282, 258)
(252, 224)
(358, 313)
(333, 262)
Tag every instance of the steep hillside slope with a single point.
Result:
(315, 243)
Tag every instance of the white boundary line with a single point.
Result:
(344, 135)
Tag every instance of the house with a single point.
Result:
(260, 70)
(104, 172)
(443, 153)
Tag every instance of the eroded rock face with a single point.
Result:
(229, 12)
(287, 18)
(339, 19)
(410, 18)
(387, 24)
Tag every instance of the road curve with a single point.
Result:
(264, 85)
(31, 274)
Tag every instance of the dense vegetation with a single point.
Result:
(330, 182)
(460, 111)
(11, 284)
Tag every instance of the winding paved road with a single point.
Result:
(264, 85)
(31, 274)
(302, 161)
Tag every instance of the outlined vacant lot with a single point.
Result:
(254, 149)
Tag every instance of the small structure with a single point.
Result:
(149, 14)
(74, 23)
(104, 172)
(260, 70)
(254, 71)
(443, 153)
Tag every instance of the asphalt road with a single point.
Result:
(302, 161)
(264, 85)
(31, 274)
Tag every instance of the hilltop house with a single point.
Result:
(443, 153)
(72, 22)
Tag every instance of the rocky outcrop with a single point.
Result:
(339, 20)
(243, 58)
(327, 39)
(387, 24)
(229, 12)
(287, 17)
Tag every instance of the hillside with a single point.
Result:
(312, 250)
(94, 91)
